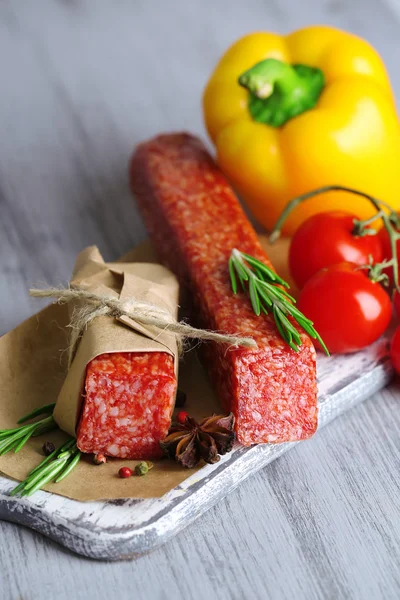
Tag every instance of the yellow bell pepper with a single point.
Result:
(289, 114)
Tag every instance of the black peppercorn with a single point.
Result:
(48, 448)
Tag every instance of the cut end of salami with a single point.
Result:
(281, 404)
(271, 391)
(129, 399)
(195, 220)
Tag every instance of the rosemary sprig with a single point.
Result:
(47, 409)
(15, 439)
(54, 467)
(268, 295)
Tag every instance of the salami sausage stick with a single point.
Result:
(195, 221)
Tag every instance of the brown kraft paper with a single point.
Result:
(33, 371)
(146, 282)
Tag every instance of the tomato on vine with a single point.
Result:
(327, 239)
(348, 309)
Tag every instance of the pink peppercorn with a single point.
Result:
(182, 416)
(125, 472)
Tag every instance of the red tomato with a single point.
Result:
(395, 350)
(349, 311)
(327, 239)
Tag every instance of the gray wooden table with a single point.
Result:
(82, 82)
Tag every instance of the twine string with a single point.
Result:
(144, 313)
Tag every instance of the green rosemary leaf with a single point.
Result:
(264, 295)
(293, 346)
(22, 443)
(44, 426)
(290, 327)
(47, 409)
(296, 314)
(280, 317)
(283, 294)
(242, 284)
(322, 343)
(55, 452)
(280, 321)
(42, 482)
(56, 466)
(17, 437)
(260, 274)
(65, 455)
(5, 443)
(281, 330)
(74, 461)
(31, 480)
(7, 432)
(255, 301)
(267, 271)
(8, 444)
(262, 271)
(267, 292)
(7, 447)
(44, 462)
(308, 326)
(45, 429)
(277, 292)
(240, 269)
(232, 275)
(17, 489)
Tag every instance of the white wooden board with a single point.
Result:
(125, 528)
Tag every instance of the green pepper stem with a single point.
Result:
(389, 220)
(280, 91)
(261, 79)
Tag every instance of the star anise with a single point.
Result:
(191, 441)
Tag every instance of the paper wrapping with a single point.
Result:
(146, 282)
(32, 373)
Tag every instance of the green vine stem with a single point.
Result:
(361, 228)
(390, 220)
(376, 271)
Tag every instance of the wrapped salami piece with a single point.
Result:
(120, 389)
(195, 221)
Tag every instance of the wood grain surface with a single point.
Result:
(82, 82)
